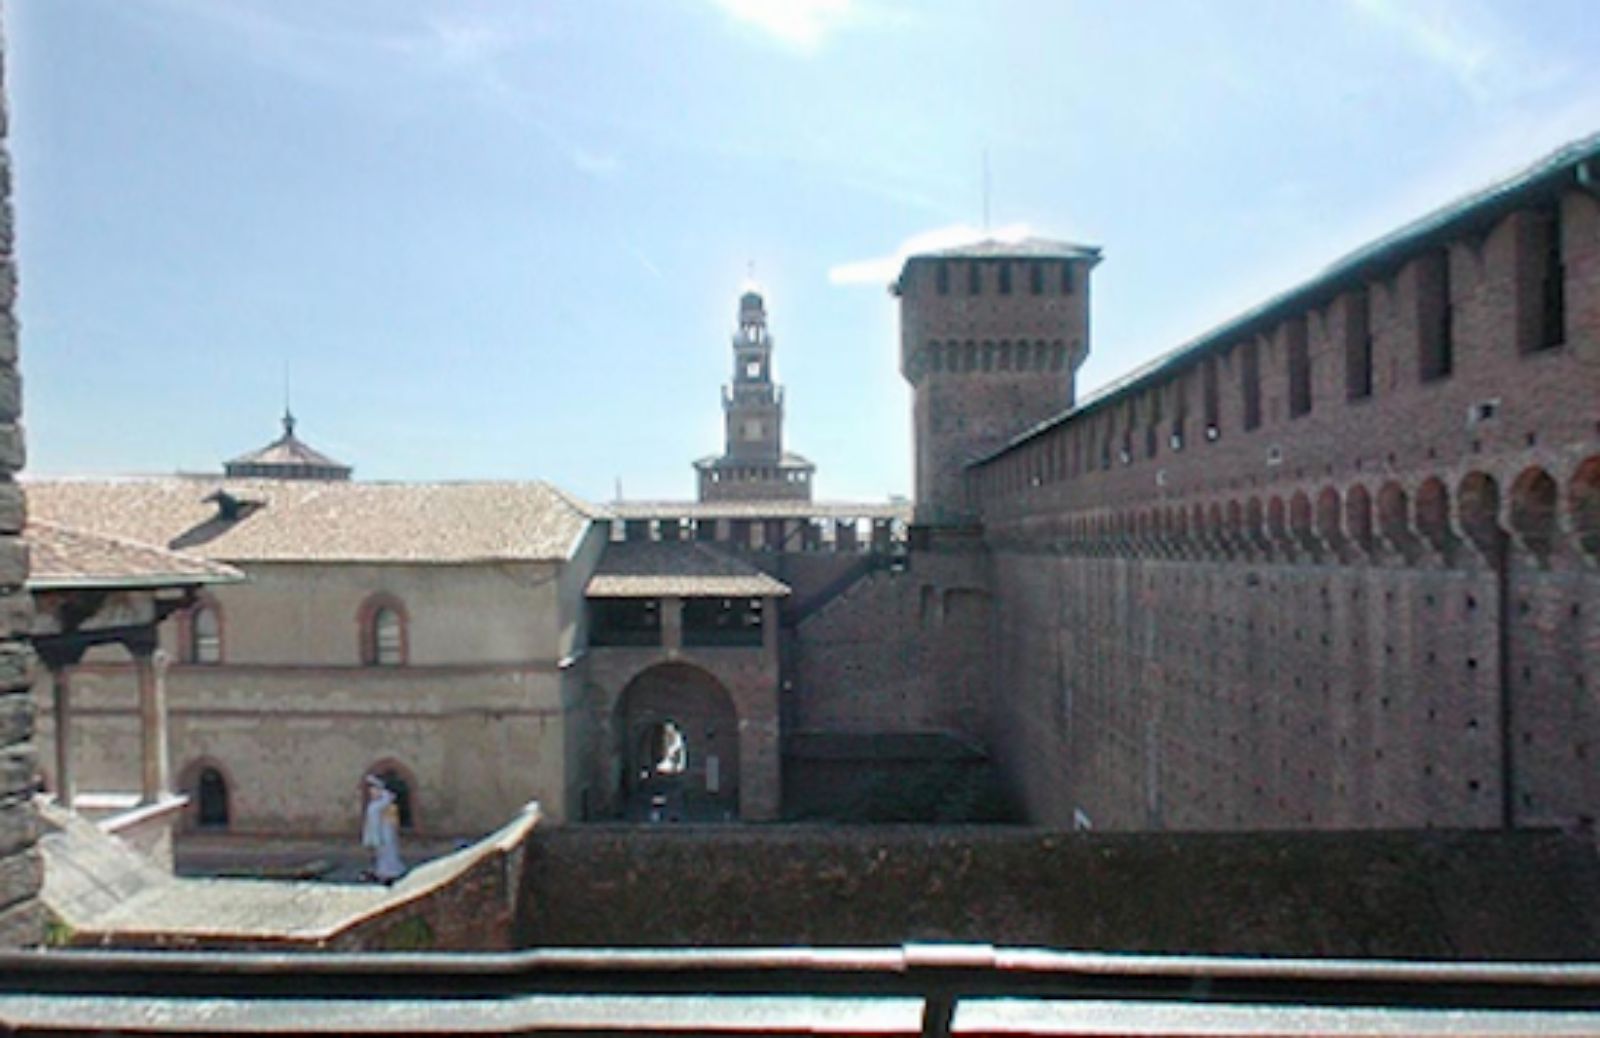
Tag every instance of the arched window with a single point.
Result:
(211, 799)
(205, 634)
(384, 637)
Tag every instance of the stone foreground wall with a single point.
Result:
(21, 919)
(1407, 895)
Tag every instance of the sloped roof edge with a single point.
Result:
(1479, 206)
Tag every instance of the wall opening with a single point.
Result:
(1357, 346)
(1435, 317)
(1299, 368)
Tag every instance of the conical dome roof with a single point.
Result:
(287, 457)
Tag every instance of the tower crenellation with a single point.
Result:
(992, 336)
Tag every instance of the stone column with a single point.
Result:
(21, 916)
(151, 665)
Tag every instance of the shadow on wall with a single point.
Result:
(1440, 895)
(891, 777)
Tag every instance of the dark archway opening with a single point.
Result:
(211, 799)
(679, 747)
(402, 794)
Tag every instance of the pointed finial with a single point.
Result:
(288, 412)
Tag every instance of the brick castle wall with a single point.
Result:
(1338, 569)
(897, 651)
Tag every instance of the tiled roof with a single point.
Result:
(1026, 248)
(288, 451)
(292, 521)
(290, 454)
(650, 569)
(61, 557)
(761, 510)
(789, 460)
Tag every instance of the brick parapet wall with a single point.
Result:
(1382, 611)
(21, 918)
(1446, 895)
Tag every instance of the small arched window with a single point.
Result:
(384, 641)
(205, 635)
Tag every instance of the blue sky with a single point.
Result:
(505, 239)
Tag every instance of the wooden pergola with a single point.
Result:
(90, 590)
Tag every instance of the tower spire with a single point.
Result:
(288, 411)
(753, 465)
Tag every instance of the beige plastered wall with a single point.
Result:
(481, 719)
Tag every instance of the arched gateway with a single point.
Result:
(678, 734)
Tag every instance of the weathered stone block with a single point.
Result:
(18, 765)
(16, 612)
(16, 667)
(13, 455)
(8, 337)
(13, 563)
(10, 378)
(16, 718)
(19, 823)
(21, 876)
(22, 925)
(13, 507)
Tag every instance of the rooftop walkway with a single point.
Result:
(105, 894)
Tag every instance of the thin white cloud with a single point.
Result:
(800, 25)
(644, 260)
(1482, 51)
(883, 269)
(594, 163)
(1437, 31)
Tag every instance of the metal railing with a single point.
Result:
(933, 990)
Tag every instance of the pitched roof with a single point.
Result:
(304, 521)
(288, 450)
(789, 460)
(60, 557)
(287, 457)
(761, 510)
(1025, 248)
(651, 569)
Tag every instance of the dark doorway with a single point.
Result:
(402, 794)
(211, 796)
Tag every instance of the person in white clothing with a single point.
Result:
(380, 831)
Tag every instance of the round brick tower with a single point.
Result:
(991, 337)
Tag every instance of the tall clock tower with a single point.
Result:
(753, 465)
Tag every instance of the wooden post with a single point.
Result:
(61, 688)
(151, 664)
